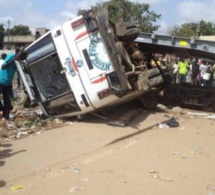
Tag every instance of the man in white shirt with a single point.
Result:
(175, 72)
(204, 68)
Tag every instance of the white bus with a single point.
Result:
(86, 64)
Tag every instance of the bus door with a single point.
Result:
(70, 70)
(90, 57)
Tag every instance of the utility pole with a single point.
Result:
(8, 28)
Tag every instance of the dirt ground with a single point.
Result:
(154, 159)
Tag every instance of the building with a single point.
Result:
(16, 42)
(207, 38)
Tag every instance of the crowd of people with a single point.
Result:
(198, 72)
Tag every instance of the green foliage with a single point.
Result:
(19, 30)
(193, 29)
(2, 33)
(131, 12)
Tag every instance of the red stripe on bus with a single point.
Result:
(99, 80)
(81, 35)
(74, 65)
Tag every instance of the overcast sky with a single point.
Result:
(50, 13)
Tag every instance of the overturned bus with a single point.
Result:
(89, 63)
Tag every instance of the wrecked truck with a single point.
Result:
(89, 63)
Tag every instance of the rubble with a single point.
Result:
(26, 121)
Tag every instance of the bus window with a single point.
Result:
(40, 49)
(49, 77)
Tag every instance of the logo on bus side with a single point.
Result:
(79, 63)
(98, 54)
(69, 64)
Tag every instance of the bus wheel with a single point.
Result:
(149, 101)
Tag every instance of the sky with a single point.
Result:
(50, 13)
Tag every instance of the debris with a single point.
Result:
(21, 133)
(166, 115)
(165, 178)
(17, 187)
(85, 179)
(76, 189)
(161, 106)
(178, 157)
(48, 170)
(211, 190)
(153, 172)
(75, 169)
(172, 122)
(196, 151)
(156, 175)
(198, 113)
(162, 125)
(211, 117)
(11, 125)
(177, 108)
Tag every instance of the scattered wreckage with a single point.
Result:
(89, 63)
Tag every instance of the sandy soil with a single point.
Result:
(153, 160)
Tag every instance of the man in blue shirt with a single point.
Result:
(7, 72)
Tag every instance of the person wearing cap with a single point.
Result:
(7, 72)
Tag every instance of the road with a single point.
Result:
(91, 157)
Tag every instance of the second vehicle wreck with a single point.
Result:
(86, 64)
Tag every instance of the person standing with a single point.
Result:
(182, 70)
(7, 72)
(175, 72)
(3, 56)
(203, 69)
(213, 76)
(189, 76)
(195, 72)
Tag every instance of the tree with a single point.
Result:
(193, 29)
(132, 12)
(19, 30)
(2, 33)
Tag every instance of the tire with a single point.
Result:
(149, 101)
(155, 81)
(131, 34)
(153, 72)
(125, 59)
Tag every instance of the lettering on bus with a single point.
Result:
(69, 64)
(98, 54)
